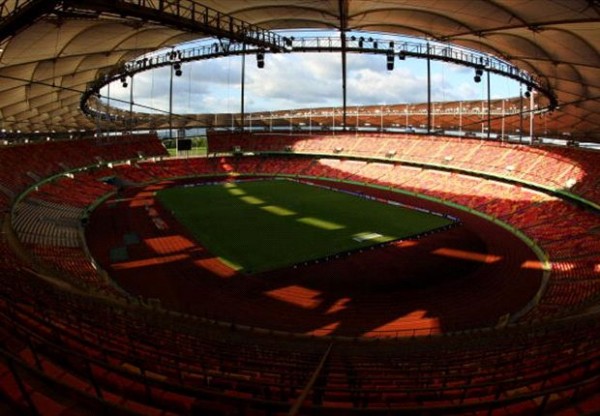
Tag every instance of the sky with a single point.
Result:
(303, 80)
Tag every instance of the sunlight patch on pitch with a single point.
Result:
(282, 212)
(319, 223)
(252, 200)
(236, 191)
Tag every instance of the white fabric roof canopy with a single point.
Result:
(45, 66)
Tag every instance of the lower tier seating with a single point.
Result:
(67, 350)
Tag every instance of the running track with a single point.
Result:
(464, 278)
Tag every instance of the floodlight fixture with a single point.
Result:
(390, 60)
(260, 59)
(177, 68)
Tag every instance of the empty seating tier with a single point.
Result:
(91, 348)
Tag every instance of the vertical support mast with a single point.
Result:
(343, 7)
(531, 117)
(460, 116)
(344, 93)
(489, 105)
(520, 113)
(171, 103)
(428, 90)
(503, 117)
(243, 98)
(131, 105)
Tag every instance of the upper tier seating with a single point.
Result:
(25, 165)
(555, 167)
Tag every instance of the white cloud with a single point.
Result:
(386, 87)
(458, 69)
(299, 81)
(292, 81)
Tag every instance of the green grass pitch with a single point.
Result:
(256, 226)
